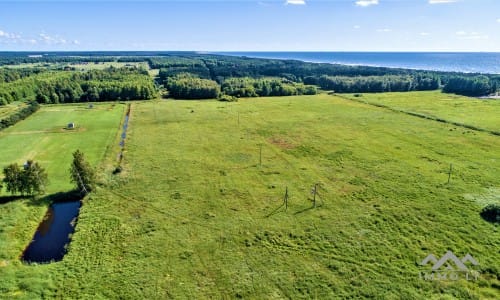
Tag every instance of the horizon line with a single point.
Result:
(254, 51)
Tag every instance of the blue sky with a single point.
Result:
(251, 25)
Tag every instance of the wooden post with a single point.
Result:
(315, 191)
(449, 173)
(286, 199)
(260, 155)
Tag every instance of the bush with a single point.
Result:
(491, 213)
(117, 170)
(227, 98)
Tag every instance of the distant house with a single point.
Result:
(71, 125)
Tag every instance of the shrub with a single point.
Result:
(491, 213)
(227, 98)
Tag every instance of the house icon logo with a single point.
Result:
(450, 267)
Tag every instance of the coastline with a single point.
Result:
(460, 62)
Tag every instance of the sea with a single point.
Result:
(466, 62)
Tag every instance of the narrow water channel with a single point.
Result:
(53, 235)
(124, 134)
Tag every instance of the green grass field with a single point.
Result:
(104, 65)
(481, 113)
(197, 212)
(82, 67)
(42, 137)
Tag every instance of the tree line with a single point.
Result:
(263, 87)
(377, 84)
(9, 75)
(19, 115)
(189, 86)
(472, 86)
(27, 58)
(340, 78)
(69, 86)
(289, 77)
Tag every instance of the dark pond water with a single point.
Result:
(53, 234)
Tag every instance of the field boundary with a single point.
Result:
(420, 115)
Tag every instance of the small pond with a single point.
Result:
(53, 234)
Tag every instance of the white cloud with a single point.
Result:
(424, 33)
(365, 3)
(51, 40)
(356, 27)
(40, 39)
(295, 2)
(441, 1)
(498, 20)
(9, 36)
(473, 35)
(384, 30)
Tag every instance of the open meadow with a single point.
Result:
(198, 210)
(480, 113)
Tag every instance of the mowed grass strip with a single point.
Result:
(44, 138)
(7, 110)
(198, 211)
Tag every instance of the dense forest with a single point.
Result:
(189, 75)
(375, 84)
(228, 72)
(251, 87)
(69, 86)
(187, 86)
(472, 86)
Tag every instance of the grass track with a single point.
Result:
(11, 108)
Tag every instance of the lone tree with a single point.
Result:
(29, 180)
(82, 173)
(34, 179)
(12, 178)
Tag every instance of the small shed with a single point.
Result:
(71, 125)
